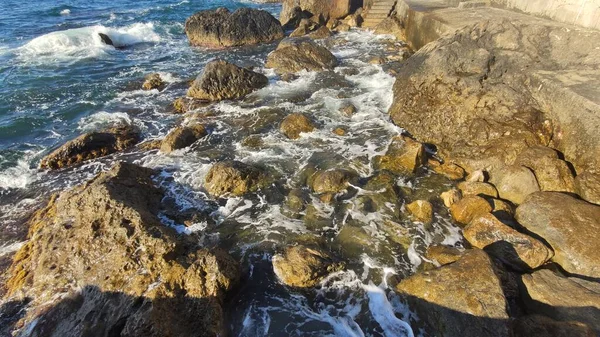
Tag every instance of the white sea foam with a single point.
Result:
(79, 43)
(65, 12)
(103, 119)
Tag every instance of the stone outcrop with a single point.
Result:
(552, 173)
(220, 28)
(91, 146)
(182, 137)
(222, 80)
(303, 267)
(569, 225)
(563, 298)
(99, 261)
(296, 54)
(234, 178)
(153, 81)
(335, 9)
(464, 298)
(505, 243)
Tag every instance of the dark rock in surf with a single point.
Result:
(106, 39)
(182, 137)
(234, 178)
(220, 28)
(296, 54)
(303, 267)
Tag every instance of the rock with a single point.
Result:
(153, 81)
(464, 298)
(322, 33)
(293, 17)
(94, 257)
(502, 209)
(348, 110)
(588, 186)
(384, 197)
(296, 54)
(569, 225)
(468, 208)
(304, 267)
(354, 20)
(443, 255)
(403, 156)
(300, 31)
(295, 124)
(220, 28)
(182, 137)
(223, 80)
(392, 26)
(515, 249)
(295, 200)
(449, 170)
(476, 176)
(551, 173)
(514, 183)
(451, 197)
(91, 146)
(562, 298)
(477, 188)
(339, 131)
(421, 210)
(377, 60)
(183, 105)
(235, 178)
(331, 181)
(335, 9)
(542, 326)
(341, 27)
(106, 39)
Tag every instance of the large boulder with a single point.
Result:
(331, 181)
(571, 226)
(552, 173)
(335, 9)
(303, 267)
(296, 54)
(182, 137)
(461, 299)
(588, 186)
(562, 298)
(234, 178)
(100, 262)
(220, 28)
(91, 146)
(404, 156)
(514, 183)
(514, 248)
(469, 208)
(223, 80)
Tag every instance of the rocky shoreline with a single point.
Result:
(491, 107)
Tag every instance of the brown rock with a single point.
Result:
(91, 146)
(105, 239)
(542, 326)
(335, 9)
(443, 255)
(183, 105)
(220, 28)
(377, 60)
(182, 137)
(235, 178)
(222, 80)
(341, 27)
(469, 208)
(514, 248)
(348, 110)
(476, 176)
(588, 186)
(339, 131)
(463, 299)
(296, 54)
(451, 197)
(514, 183)
(551, 173)
(478, 188)
(502, 209)
(449, 170)
(331, 181)
(563, 298)
(392, 26)
(304, 267)
(322, 33)
(295, 124)
(569, 225)
(421, 210)
(404, 156)
(153, 81)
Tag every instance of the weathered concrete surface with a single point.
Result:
(585, 13)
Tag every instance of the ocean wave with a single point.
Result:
(85, 42)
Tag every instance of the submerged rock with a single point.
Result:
(331, 181)
(153, 81)
(516, 249)
(106, 39)
(461, 299)
(99, 260)
(296, 54)
(183, 105)
(569, 225)
(182, 137)
(91, 146)
(404, 156)
(220, 28)
(304, 267)
(295, 124)
(223, 80)
(235, 178)
(562, 298)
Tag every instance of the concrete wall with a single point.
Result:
(584, 13)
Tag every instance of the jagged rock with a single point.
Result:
(469, 208)
(421, 210)
(588, 186)
(514, 248)
(392, 26)
(443, 255)
(322, 33)
(449, 170)
(295, 124)
(403, 156)
(335, 9)
(223, 80)
(99, 260)
(477, 188)
(296, 54)
(451, 197)
(562, 298)
(182, 137)
(331, 181)
(235, 178)
(91, 146)
(569, 225)
(304, 267)
(552, 173)
(153, 81)
(183, 105)
(461, 299)
(220, 28)
(514, 183)
(542, 326)
(294, 17)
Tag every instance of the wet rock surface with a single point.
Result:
(296, 54)
(301, 266)
(295, 124)
(234, 178)
(182, 137)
